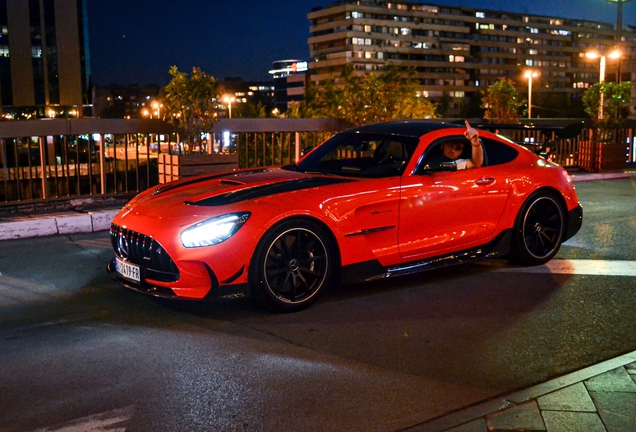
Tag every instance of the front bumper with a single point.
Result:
(211, 290)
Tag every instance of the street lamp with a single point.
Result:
(619, 31)
(615, 54)
(228, 100)
(530, 74)
(156, 106)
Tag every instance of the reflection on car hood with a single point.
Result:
(218, 190)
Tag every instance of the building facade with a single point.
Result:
(458, 52)
(290, 77)
(44, 58)
(130, 102)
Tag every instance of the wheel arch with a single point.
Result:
(323, 225)
(555, 192)
(308, 218)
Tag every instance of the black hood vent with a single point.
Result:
(268, 189)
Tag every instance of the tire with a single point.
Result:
(539, 229)
(293, 264)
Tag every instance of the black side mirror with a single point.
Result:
(306, 150)
(441, 167)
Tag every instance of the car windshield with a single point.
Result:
(360, 155)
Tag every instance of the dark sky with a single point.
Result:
(136, 42)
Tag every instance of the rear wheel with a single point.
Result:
(293, 263)
(539, 229)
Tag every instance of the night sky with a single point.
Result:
(136, 42)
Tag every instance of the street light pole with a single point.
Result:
(229, 100)
(530, 74)
(619, 32)
(616, 54)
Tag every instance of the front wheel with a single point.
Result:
(293, 263)
(539, 229)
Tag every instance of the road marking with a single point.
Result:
(579, 267)
(109, 421)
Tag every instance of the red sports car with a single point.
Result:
(371, 202)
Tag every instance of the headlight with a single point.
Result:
(213, 231)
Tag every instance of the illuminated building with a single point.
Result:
(458, 52)
(289, 82)
(44, 57)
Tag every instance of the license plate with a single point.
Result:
(128, 270)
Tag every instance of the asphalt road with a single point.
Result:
(78, 352)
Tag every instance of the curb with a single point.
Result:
(481, 410)
(576, 178)
(56, 224)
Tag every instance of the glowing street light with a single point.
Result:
(615, 54)
(156, 106)
(530, 74)
(228, 100)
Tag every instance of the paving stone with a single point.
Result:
(572, 398)
(568, 421)
(525, 417)
(614, 380)
(617, 410)
(478, 425)
(631, 368)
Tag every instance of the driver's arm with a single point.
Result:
(477, 157)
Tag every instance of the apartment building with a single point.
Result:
(459, 51)
(290, 77)
(44, 58)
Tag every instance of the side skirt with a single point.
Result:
(373, 270)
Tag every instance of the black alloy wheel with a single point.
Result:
(294, 262)
(539, 229)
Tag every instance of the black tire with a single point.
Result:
(293, 263)
(539, 229)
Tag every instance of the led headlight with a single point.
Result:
(213, 231)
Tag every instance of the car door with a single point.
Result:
(448, 211)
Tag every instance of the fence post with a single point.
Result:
(42, 143)
(297, 139)
(102, 164)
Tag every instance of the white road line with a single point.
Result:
(579, 267)
(109, 421)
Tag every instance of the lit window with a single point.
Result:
(480, 15)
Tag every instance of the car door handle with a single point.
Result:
(485, 181)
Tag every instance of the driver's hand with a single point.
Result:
(472, 134)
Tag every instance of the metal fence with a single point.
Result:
(48, 161)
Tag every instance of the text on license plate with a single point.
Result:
(127, 270)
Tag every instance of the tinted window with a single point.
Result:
(498, 153)
(361, 155)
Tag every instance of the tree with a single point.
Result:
(616, 99)
(369, 98)
(190, 101)
(502, 102)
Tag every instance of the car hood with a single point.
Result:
(204, 194)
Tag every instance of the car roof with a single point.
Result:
(412, 128)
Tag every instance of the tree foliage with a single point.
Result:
(369, 98)
(616, 99)
(502, 102)
(190, 102)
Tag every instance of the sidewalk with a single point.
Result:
(600, 398)
(27, 225)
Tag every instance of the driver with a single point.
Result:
(453, 150)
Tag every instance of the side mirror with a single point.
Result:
(441, 167)
(306, 150)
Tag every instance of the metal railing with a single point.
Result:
(49, 161)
